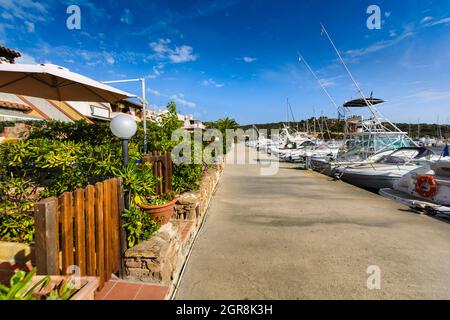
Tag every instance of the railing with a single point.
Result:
(80, 231)
(162, 169)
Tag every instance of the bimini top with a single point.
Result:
(358, 103)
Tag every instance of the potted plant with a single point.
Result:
(28, 286)
(159, 208)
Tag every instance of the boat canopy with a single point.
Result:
(359, 103)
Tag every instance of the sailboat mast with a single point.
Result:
(287, 112)
(314, 119)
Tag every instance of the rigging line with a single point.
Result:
(302, 59)
(292, 113)
(372, 109)
(345, 109)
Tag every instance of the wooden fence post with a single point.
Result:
(47, 237)
(123, 235)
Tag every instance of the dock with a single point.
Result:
(300, 235)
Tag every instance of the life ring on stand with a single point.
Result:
(426, 186)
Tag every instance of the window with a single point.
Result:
(100, 112)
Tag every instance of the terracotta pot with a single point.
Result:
(161, 213)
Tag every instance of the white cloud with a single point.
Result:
(329, 82)
(438, 22)
(387, 14)
(7, 16)
(30, 26)
(182, 54)
(154, 92)
(92, 58)
(156, 71)
(163, 51)
(392, 33)
(211, 82)
(430, 95)
(110, 60)
(27, 10)
(127, 17)
(181, 101)
(378, 46)
(26, 59)
(248, 59)
(426, 19)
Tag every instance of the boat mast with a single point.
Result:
(287, 111)
(314, 119)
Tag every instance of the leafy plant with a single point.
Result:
(62, 291)
(138, 180)
(160, 200)
(58, 157)
(138, 225)
(186, 177)
(16, 227)
(16, 209)
(21, 287)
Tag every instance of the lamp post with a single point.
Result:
(124, 127)
(144, 102)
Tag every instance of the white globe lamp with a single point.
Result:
(124, 127)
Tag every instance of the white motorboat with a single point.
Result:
(384, 172)
(322, 149)
(425, 189)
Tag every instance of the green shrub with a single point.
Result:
(58, 157)
(79, 132)
(186, 177)
(138, 225)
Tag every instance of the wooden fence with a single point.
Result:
(162, 169)
(82, 229)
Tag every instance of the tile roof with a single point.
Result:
(5, 50)
(15, 106)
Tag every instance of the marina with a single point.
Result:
(225, 150)
(302, 235)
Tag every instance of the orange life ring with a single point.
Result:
(426, 186)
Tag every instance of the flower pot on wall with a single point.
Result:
(160, 213)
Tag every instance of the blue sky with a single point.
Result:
(238, 58)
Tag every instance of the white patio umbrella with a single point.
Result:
(55, 83)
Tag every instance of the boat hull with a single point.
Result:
(372, 182)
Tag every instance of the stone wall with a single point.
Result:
(160, 259)
(193, 205)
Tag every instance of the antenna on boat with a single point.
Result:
(302, 59)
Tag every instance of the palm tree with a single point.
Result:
(226, 123)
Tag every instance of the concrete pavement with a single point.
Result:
(299, 235)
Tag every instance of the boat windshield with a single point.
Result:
(365, 145)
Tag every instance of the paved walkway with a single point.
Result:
(299, 235)
(124, 290)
